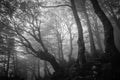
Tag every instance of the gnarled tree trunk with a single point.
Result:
(110, 48)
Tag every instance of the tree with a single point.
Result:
(71, 40)
(92, 44)
(97, 32)
(7, 45)
(112, 9)
(81, 46)
(7, 9)
(34, 31)
(59, 34)
(40, 31)
(110, 48)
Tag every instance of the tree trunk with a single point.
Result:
(71, 45)
(51, 59)
(92, 44)
(97, 35)
(45, 66)
(45, 55)
(110, 48)
(38, 68)
(58, 43)
(8, 63)
(46, 69)
(60, 46)
(81, 46)
(113, 15)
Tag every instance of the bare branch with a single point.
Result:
(62, 5)
(28, 43)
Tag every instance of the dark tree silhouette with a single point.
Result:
(81, 45)
(110, 49)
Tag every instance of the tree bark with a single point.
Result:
(110, 48)
(92, 44)
(8, 63)
(61, 47)
(113, 15)
(81, 46)
(97, 35)
(71, 45)
(58, 43)
(50, 58)
(38, 65)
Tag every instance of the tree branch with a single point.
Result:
(65, 5)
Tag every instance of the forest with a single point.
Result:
(59, 39)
